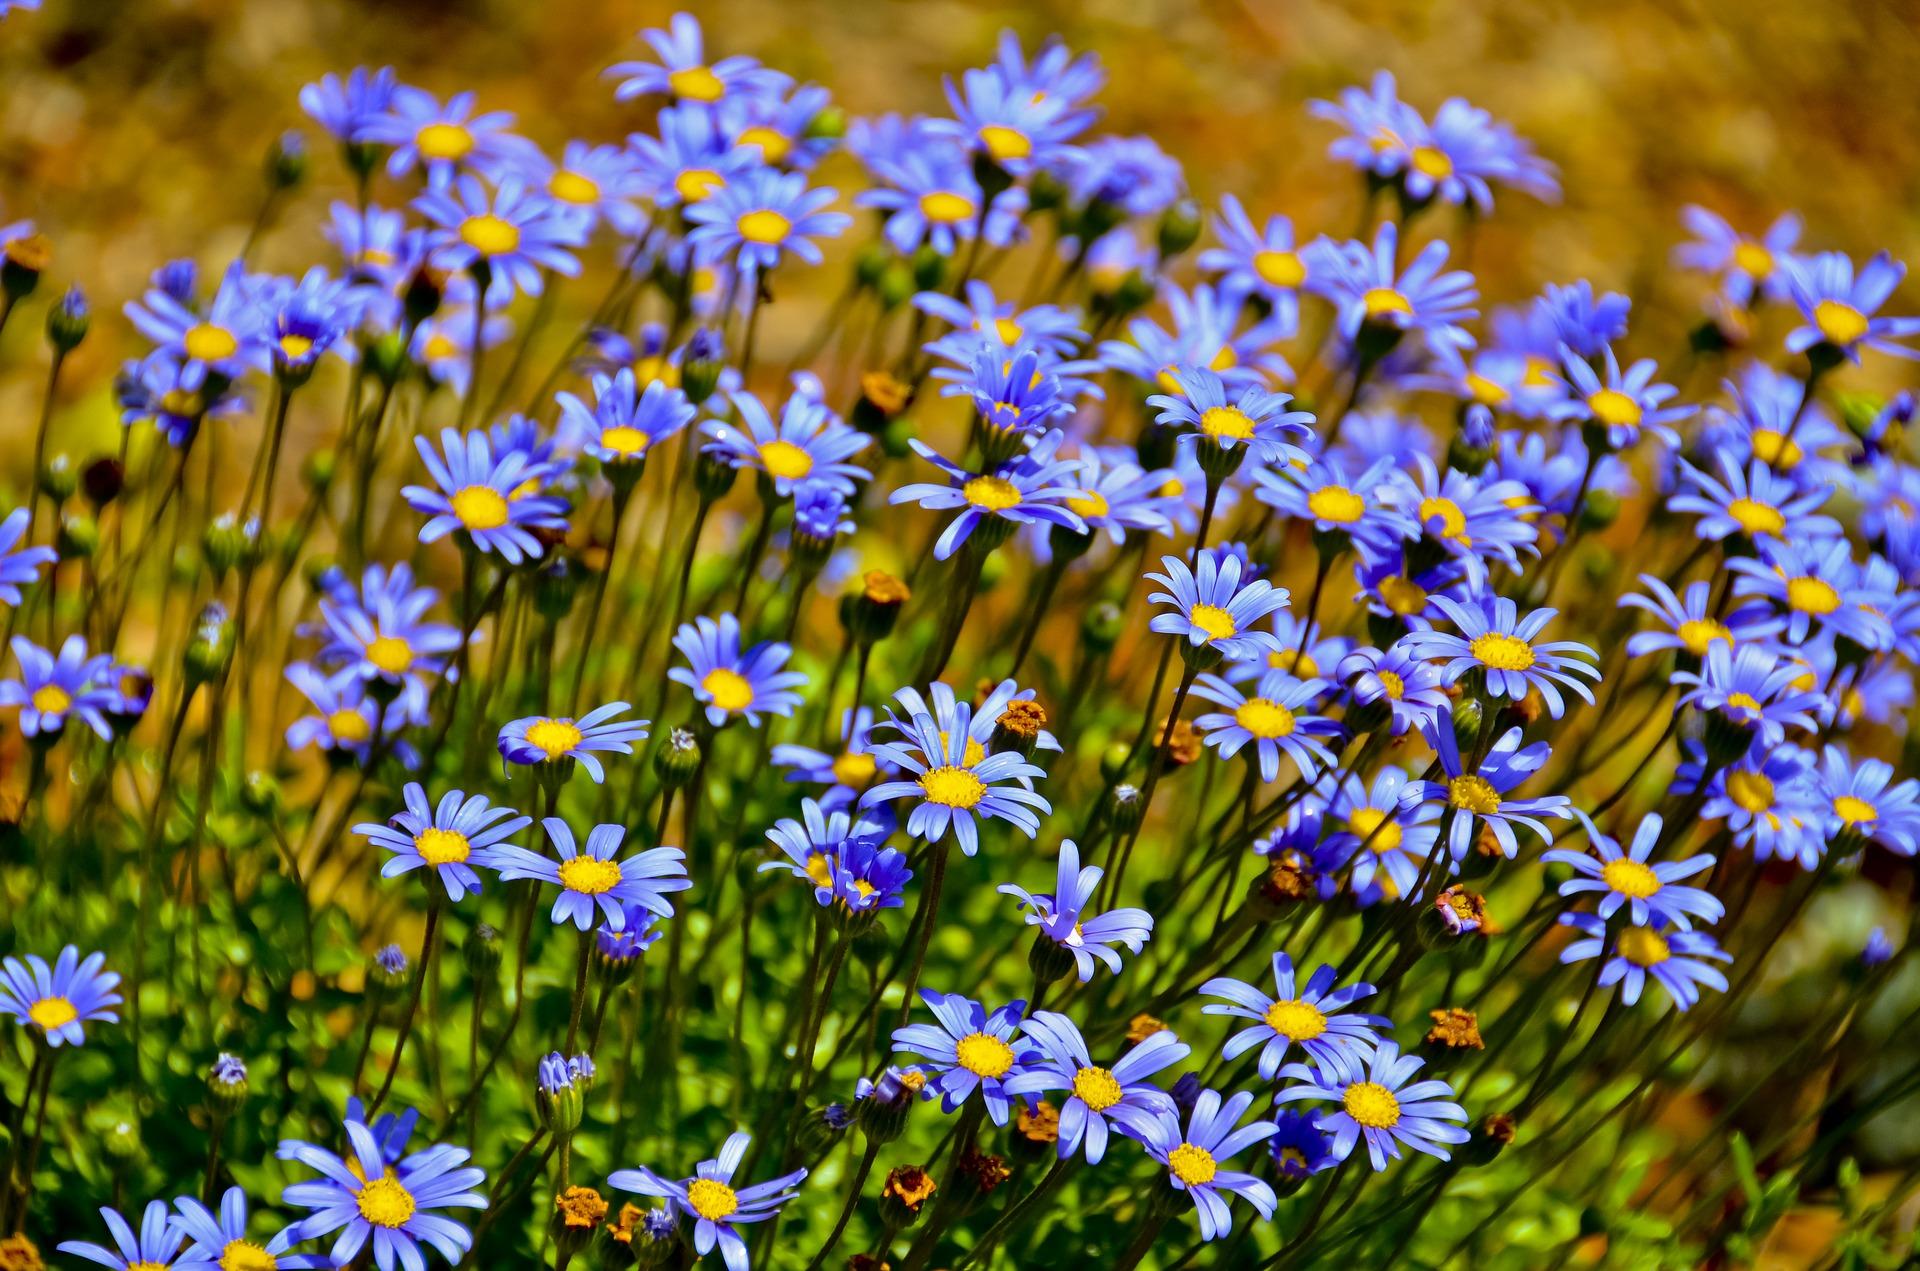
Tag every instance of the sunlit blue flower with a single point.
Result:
(1863, 800)
(1744, 268)
(1300, 1149)
(221, 1243)
(478, 493)
(1312, 1015)
(760, 217)
(951, 782)
(347, 718)
(1480, 796)
(1817, 585)
(783, 131)
(1476, 521)
(1132, 174)
(1621, 404)
(1334, 500)
(1377, 124)
(852, 769)
(594, 183)
(978, 317)
(1752, 692)
(690, 160)
(1062, 918)
(1208, 416)
(635, 935)
(1116, 495)
(1381, 1104)
(1497, 642)
(444, 139)
(176, 396)
(450, 838)
(1399, 678)
(1276, 719)
(931, 197)
(968, 1049)
(809, 443)
(1206, 333)
(366, 1196)
(1457, 157)
(515, 234)
(1384, 832)
(1680, 961)
(624, 423)
(712, 1203)
(1690, 622)
(1368, 288)
(1013, 398)
(684, 74)
(1006, 121)
(380, 632)
(541, 739)
(1839, 309)
(1033, 487)
(1757, 503)
(1577, 317)
(1261, 261)
(51, 688)
(730, 681)
(1650, 890)
(1193, 1157)
(59, 1000)
(1211, 607)
(154, 1247)
(590, 879)
(348, 107)
(814, 844)
(1096, 1094)
(228, 339)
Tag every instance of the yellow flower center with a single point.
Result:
(1299, 665)
(554, 736)
(1279, 269)
(1264, 718)
(1212, 619)
(1226, 423)
(244, 1255)
(1472, 793)
(1336, 503)
(573, 187)
(445, 142)
(853, 770)
(442, 847)
(774, 145)
(820, 870)
(995, 494)
(1089, 503)
(1486, 391)
(1431, 161)
(490, 235)
(294, 347)
(1005, 143)
(391, 654)
(1756, 517)
(348, 726)
(1402, 595)
(1372, 1105)
(1192, 1165)
(625, 441)
(944, 207)
(208, 343)
(1502, 652)
(1630, 878)
(1775, 448)
(984, 1055)
(952, 787)
(1376, 828)
(700, 84)
(1614, 408)
(711, 1199)
(1812, 595)
(1296, 1020)
(52, 1012)
(480, 507)
(51, 699)
(786, 460)
(440, 347)
(1385, 302)
(1743, 703)
(1751, 259)
(697, 185)
(1096, 1088)
(385, 1203)
(1453, 522)
(1698, 633)
(763, 225)
(730, 690)
(1855, 811)
(589, 875)
(1839, 323)
(1643, 946)
(1751, 791)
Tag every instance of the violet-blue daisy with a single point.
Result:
(155, 1246)
(1502, 646)
(1367, 287)
(951, 786)
(450, 837)
(1253, 421)
(53, 687)
(730, 681)
(1311, 1015)
(1840, 309)
(516, 234)
(968, 1048)
(1865, 803)
(1276, 718)
(711, 1201)
(1096, 1094)
(1680, 961)
(1213, 609)
(1481, 796)
(590, 879)
(366, 1197)
(683, 72)
(60, 1000)
(219, 1242)
(1649, 890)
(19, 568)
(476, 490)
(1619, 405)
(1380, 1103)
(808, 443)
(763, 216)
(540, 739)
(1193, 1156)
(1034, 487)
(1062, 918)
(625, 421)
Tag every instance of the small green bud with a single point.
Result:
(67, 321)
(79, 537)
(1180, 227)
(59, 479)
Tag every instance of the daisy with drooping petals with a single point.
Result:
(590, 879)
(1381, 1104)
(712, 1202)
(1310, 1015)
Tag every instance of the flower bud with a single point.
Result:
(895, 284)
(880, 1107)
(1490, 1137)
(1102, 624)
(678, 760)
(59, 479)
(870, 614)
(318, 470)
(79, 537)
(103, 480)
(389, 969)
(555, 584)
(227, 542)
(260, 794)
(211, 647)
(1180, 227)
(929, 268)
(22, 261)
(1048, 959)
(482, 952)
(908, 1188)
(1125, 807)
(227, 1085)
(286, 165)
(67, 321)
(713, 476)
(700, 366)
(882, 398)
(1454, 1035)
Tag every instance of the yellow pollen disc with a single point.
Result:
(1089, 503)
(995, 494)
(1296, 1021)
(1212, 619)
(1839, 323)
(554, 736)
(391, 654)
(1752, 259)
(730, 690)
(1756, 517)
(1487, 392)
(1539, 372)
(1812, 595)
(1473, 794)
(209, 343)
(1375, 828)
(1336, 503)
(820, 870)
(1005, 143)
(786, 460)
(1226, 423)
(1168, 382)
(52, 1012)
(1395, 686)
(51, 699)
(490, 235)
(649, 369)
(1453, 522)
(1855, 811)
(944, 207)
(1502, 652)
(1402, 595)
(385, 1203)
(697, 185)
(1279, 269)
(1698, 633)
(1172, 489)
(1192, 1165)
(774, 145)
(697, 83)
(1642, 947)
(711, 1199)
(1614, 408)
(1225, 360)
(1096, 1088)
(348, 726)
(1630, 878)
(244, 1255)
(1372, 1105)
(1776, 449)
(1745, 703)
(1384, 302)
(294, 347)
(1299, 665)
(440, 347)
(984, 1055)
(574, 187)
(763, 225)
(853, 770)
(480, 507)
(1431, 161)
(1752, 791)
(624, 441)
(442, 847)
(446, 142)
(589, 875)
(1264, 719)
(952, 787)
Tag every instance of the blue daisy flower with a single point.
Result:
(1578, 317)
(852, 768)
(348, 107)
(516, 235)
(1276, 719)
(1691, 624)
(1376, 126)
(691, 160)
(1352, 506)
(1368, 288)
(1032, 487)
(1744, 267)
(1256, 419)
(590, 879)
(1005, 121)
(1474, 520)
(1621, 405)
(763, 216)
(444, 138)
(968, 1049)
(815, 843)
(977, 318)
(450, 838)
(1206, 333)
(1497, 642)
(478, 492)
(380, 632)
(809, 443)
(1264, 261)
(932, 197)
(1062, 918)
(1649, 890)
(1380, 1104)
(783, 129)
(1117, 1093)
(1752, 693)
(1212, 609)
(1679, 961)
(228, 339)
(1384, 832)
(1299, 1147)
(1756, 503)
(19, 568)
(1396, 678)
(1115, 496)
(1480, 796)
(367, 1197)
(683, 73)
(1457, 157)
(51, 688)
(595, 184)
(1193, 1157)
(1819, 586)
(730, 681)
(1131, 174)
(541, 739)
(625, 422)
(220, 1243)
(953, 786)
(59, 1000)
(1013, 398)
(154, 1247)
(347, 718)
(712, 1202)
(174, 395)
(1312, 1016)
(1840, 308)
(1864, 803)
